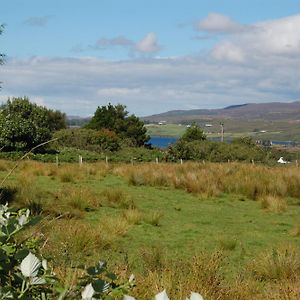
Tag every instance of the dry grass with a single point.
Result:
(118, 198)
(211, 179)
(70, 242)
(154, 218)
(282, 263)
(273, 204)
(133, 216)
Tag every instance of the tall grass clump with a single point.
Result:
(132, 216)
(118, 198)
(273, 203)
(282, 263)
(68, 240)
(179, 278)
(211, 179)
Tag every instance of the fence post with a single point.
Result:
(156, 160)
(181, 161)
(56, 160)
(80, 160)
(106, 159)
(296, 162)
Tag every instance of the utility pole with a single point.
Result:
(222, 132)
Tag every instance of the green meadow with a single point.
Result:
(160, 221)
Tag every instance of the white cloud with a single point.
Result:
(148, 44)
(218, 23)
(146, 86)
(229, 52)
(279, 37)
(258, 64)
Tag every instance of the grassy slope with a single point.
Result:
(233, 128)
(188, 223)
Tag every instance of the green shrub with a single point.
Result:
(88, 139)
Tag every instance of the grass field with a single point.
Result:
(279, 131)
(229, 231)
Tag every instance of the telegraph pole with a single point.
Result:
(222, 132)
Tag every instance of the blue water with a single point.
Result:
(165, 141)
(161, 141)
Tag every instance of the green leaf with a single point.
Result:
(112, 276)
(21, 254)
(100, 286)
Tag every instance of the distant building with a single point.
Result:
(162, 122)
(208, 125)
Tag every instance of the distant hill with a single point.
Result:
(274, 111)
(274, 121)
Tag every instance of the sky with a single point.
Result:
(150, 55)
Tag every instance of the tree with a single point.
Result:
(24, 125)
(115, 118)
(193, 133)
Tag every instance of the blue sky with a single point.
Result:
(153, 55)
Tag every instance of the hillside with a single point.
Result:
(268, 111)
(276, 121)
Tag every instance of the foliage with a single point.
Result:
(244, 140)
(217, 152)
(115, 118)
(22, 274)
(193, 133)
(24, 125)
(25, 276)
(88, 139)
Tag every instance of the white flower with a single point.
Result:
(22, 220)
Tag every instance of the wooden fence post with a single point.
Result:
(56, 160)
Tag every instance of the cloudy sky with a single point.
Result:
(151, 55)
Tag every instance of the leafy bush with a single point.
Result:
(88, 139)
(23, 275)
(24, 125)
(216, 152)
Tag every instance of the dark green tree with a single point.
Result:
(24, 125)
(115, 118)
(193, 133)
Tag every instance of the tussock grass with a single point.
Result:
(154, 218)
(296, 230)
(277, 264)
(179, 278)
(227, 243)
(273, 204)
(133, 216)
(4, 165)
(212, 179)
(118, 198)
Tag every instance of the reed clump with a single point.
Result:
(282, 263)
(212, 179)
(273, 203)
